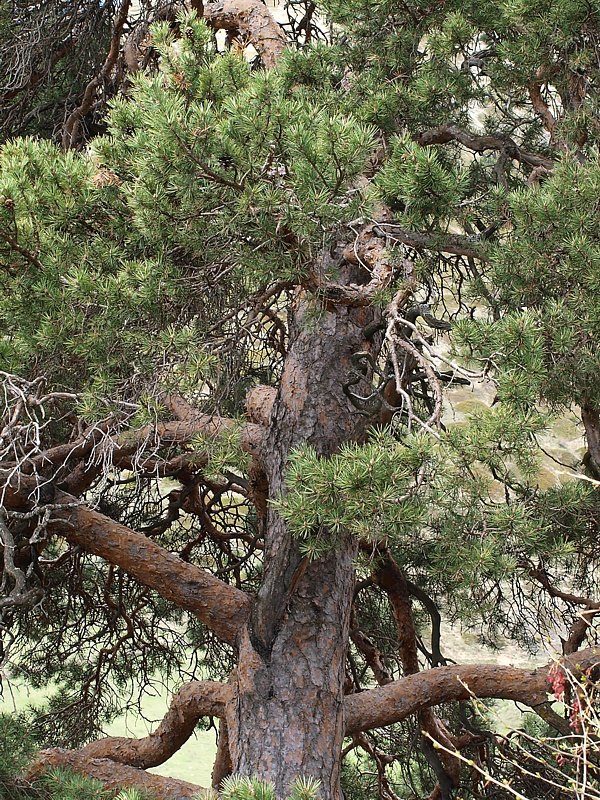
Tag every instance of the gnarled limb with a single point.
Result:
(369, 251)
(222, 768)
(114, 776)
(385, 705)
(194, 700)
(259, 404)
(254, 20)
(221, 607)
(479, 144)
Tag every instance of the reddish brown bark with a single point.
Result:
(591, 422)
(222, 767)
(287, 719)
(384, 705)
(392, 580)
(114, 776)
(221, 607)
(194, 700)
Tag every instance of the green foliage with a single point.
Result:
(16, 751)
(236, 787)
(420, 184)
(545, 276)
(140, 266)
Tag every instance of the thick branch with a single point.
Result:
(479, 144)
(194, 700)
(114, 776)
(385, 705)
(254, 20)
(221, 607)
(259, 404)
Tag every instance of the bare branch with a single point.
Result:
(385, 705)
(479, 144)
(194, 700)
(73, 123)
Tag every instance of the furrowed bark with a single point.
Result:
(287, 717)
(194, 700)
(112, 775)
(385, 705)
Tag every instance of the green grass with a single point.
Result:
(193, 762)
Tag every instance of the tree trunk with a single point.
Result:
(286, 719)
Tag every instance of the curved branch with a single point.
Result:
(252, 18)
(194, 700)
(72, 125)
(439, 243)
(114, 776)
(479, 144)
(385, 705)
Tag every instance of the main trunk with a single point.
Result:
(286, 720)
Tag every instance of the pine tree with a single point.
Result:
(230, 328)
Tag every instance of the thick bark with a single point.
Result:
(287, 718)
(385, 705)
(254, 20)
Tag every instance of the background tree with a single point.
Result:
(238, 289)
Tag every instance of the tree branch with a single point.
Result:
(442, 243)
(221, 607)
(479, 144)
(194, 700)
(73, 123)
(115, 777)
(385, 705)
(253, 19)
